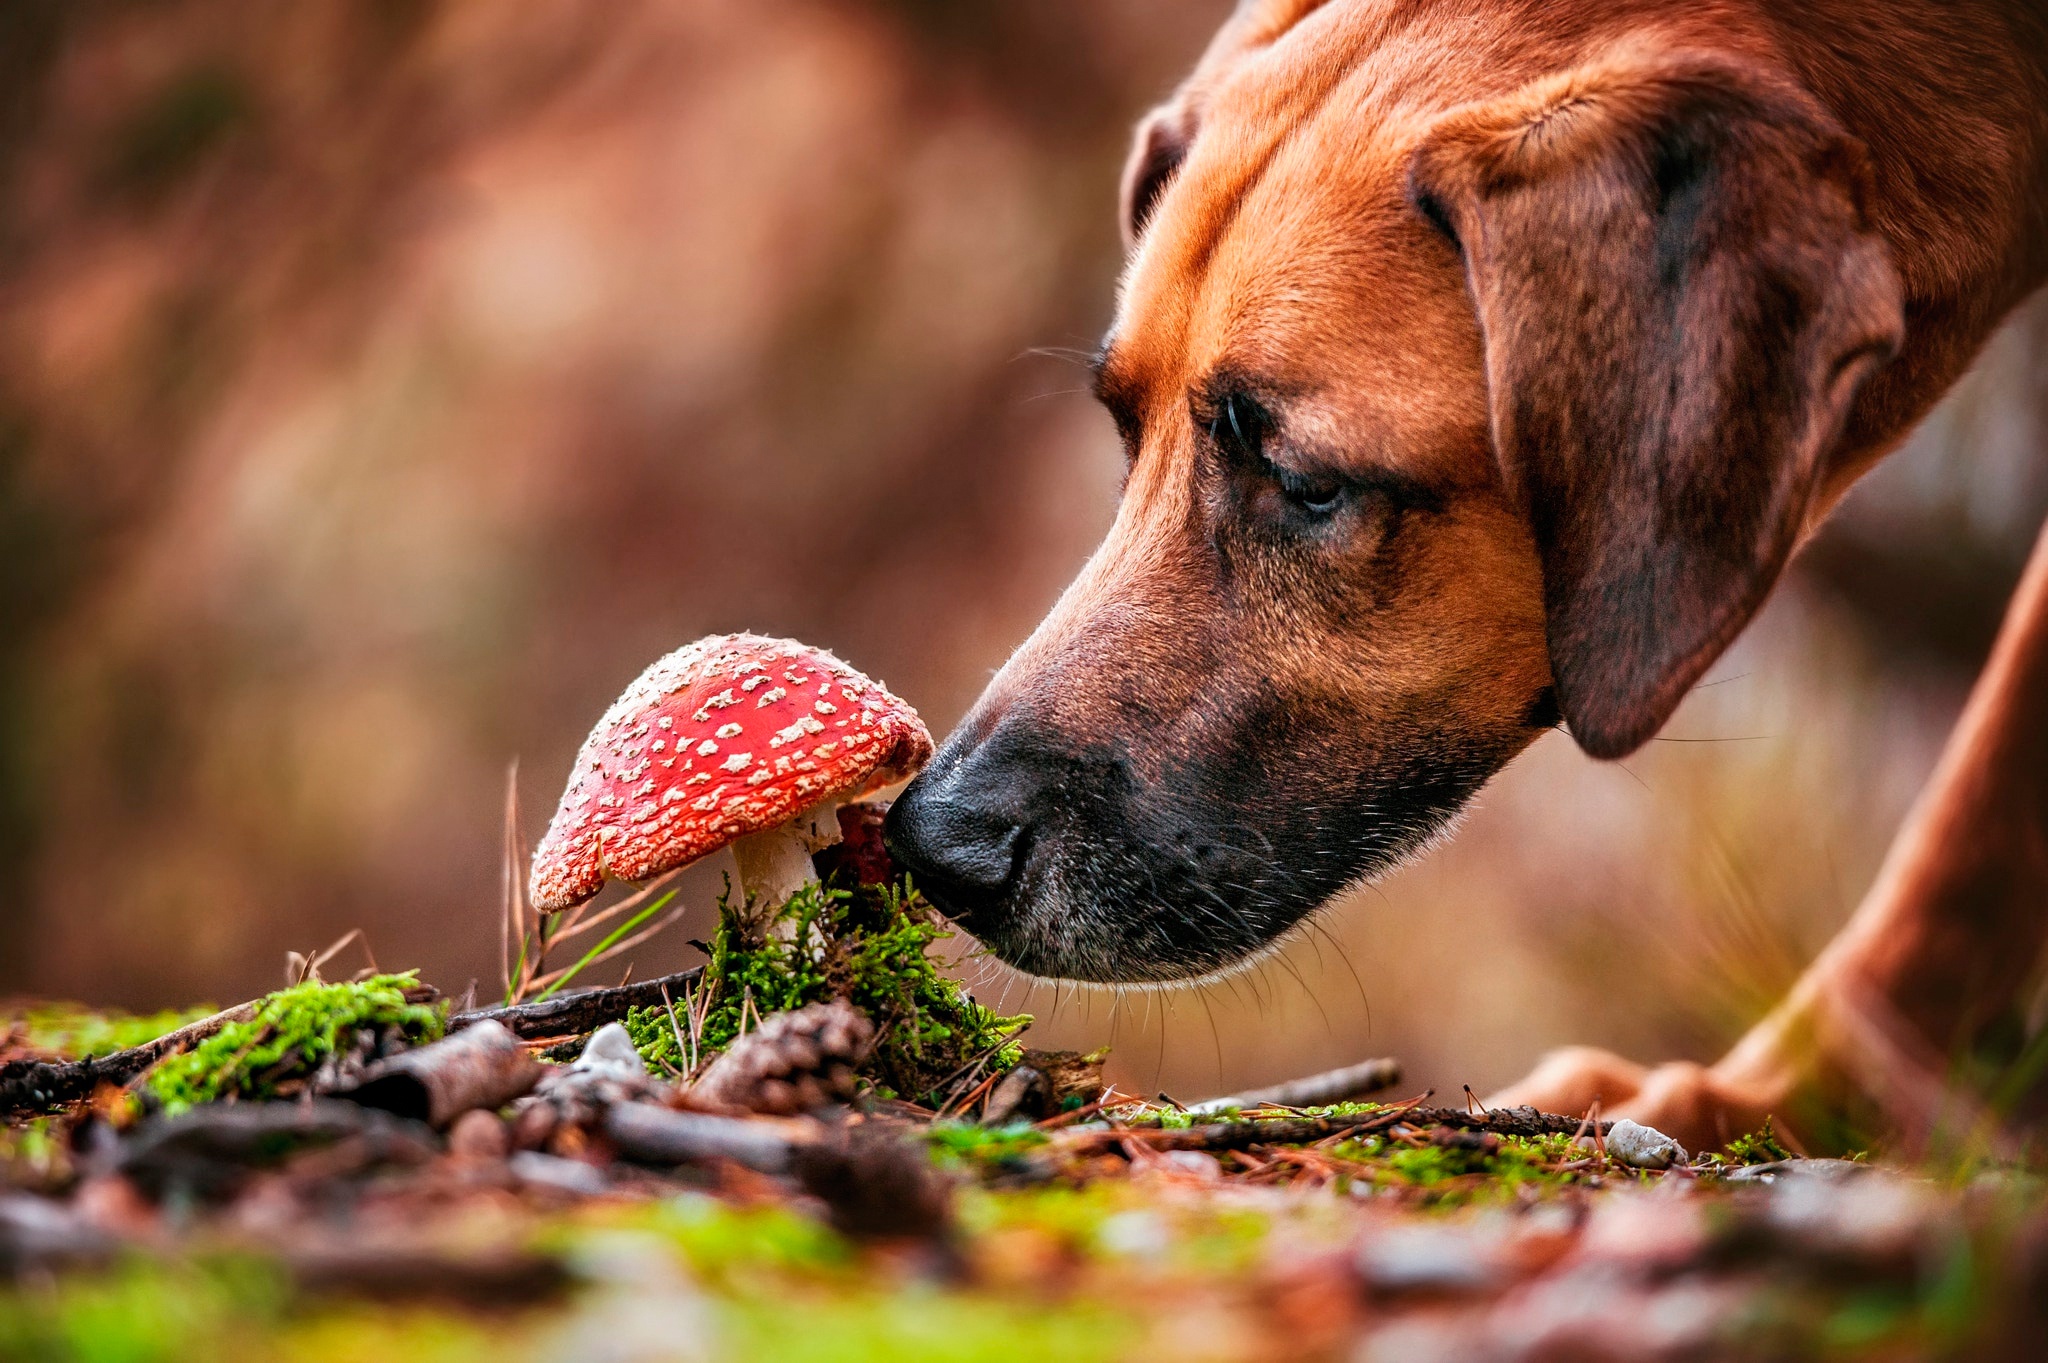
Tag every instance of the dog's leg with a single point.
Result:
(1939, 949)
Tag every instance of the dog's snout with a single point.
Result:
(960, 847)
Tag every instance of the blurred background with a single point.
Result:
(383, 383)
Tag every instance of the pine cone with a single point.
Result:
(793, 1062)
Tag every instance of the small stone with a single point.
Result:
(610, 1050)
(1642, 1147)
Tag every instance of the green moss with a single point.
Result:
(73, 1031)
(294, 1030)
(1758, 1147)
(982, 1149)
(718, 1238)
(144, 1311)
(1114, 1222)
(867, 944)
(1458, 1174)
(912, 1327)
(781, 1285)
(211, 1307)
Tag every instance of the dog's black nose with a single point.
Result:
(960, 850)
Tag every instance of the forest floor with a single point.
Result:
(354, 1172)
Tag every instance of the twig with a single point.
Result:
(948, 1108)
(584, 1011)
(1240, 1135)
(1315, 1090)
(1064, 1119)
(580, 920)
(39, 1085)
(684, 1052)
(622, 938)
(299, 967)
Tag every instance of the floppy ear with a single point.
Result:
(1680, 300)
(1160, 146)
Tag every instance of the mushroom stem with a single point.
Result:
(776, 862)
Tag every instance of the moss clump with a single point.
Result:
(866, 944)
(295, 1033)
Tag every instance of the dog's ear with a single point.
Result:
(1161, 145)
(1680, 299)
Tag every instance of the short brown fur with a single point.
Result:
(1583, 313)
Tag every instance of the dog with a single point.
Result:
(1479, 364)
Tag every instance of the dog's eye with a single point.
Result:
(1317, 496)
(1239, 428)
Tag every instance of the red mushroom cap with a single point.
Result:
(724, 737)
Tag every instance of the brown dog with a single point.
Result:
(1480, 363)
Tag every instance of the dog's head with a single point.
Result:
(1457, 397)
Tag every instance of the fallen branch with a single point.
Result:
(1243, 1134)
(32, 1086)
(651, 1134)
(209, 1149)
(1315, 1090)
(574, 1014)
(483, 1066)
(28, 1087)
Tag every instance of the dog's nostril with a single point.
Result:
(963, 856)
(982, 860)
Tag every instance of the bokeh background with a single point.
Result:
(384, 382)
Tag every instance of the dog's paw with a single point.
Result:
(1572, 1080)
(1689, 1103)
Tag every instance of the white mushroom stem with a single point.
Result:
(776, 862)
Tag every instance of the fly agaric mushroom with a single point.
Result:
(736, 740)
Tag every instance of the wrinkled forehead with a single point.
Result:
(1289, 258)
(1286, 250)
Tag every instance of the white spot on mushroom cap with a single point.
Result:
(770, 696)
(739, 761)
(728, 731)
(706, 748)
(803, 726)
